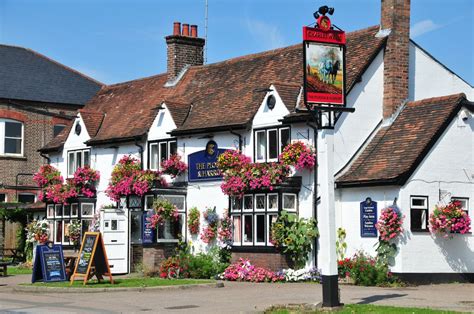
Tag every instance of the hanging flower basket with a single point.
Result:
(194, 220)
(174, 166)
(164, 211)
(299, 155)
(450, 219)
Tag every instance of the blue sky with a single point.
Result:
(120, 40)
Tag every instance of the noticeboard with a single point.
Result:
(149, 234)
(49, 263)
(368, 218)
(92, 260)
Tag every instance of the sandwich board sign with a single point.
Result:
(49, 263)
(92, 260)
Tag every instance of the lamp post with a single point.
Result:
(324, 98)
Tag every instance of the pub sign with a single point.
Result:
(368, 218)
(324, 64)
(202, 165)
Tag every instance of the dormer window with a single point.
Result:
(270, 142)
(77, 159)
(160, 151)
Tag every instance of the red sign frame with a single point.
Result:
(324, 84)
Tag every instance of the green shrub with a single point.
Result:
(365, 271)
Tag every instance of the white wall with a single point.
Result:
(352, 129)
(348, 214)
(428, 78)
(449, 168)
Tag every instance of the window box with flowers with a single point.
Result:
(449, 220)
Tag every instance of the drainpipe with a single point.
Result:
(140, 150)
(240, 139)
(46, 157)
(315, 190)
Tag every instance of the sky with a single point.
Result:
(120, 40)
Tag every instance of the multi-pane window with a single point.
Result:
(160, 151)
(11, 137)
(419, 213)
(26, 198)
(77, 159)
(269, 143)
(253, 215)
(60, 217)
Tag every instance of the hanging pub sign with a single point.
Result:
(49, 263)
(202, 165)
(368, 218)
(92, 260)
(324, 64)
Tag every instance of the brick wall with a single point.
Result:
(183, 51)
(154, 254)
(396, 17)
(272, 261)
(137, 256)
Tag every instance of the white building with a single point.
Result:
(410, 141)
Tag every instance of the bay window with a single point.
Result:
(253, 215)
(160, 151)
(60, 216)
(11, 137)
(269, 143)
(77, 159)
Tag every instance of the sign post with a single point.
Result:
(92, 260)
(324, 48)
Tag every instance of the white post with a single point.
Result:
(327, 257)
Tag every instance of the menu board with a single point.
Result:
(368, 218)
(49, 263)
(149, 234)
(85, 255)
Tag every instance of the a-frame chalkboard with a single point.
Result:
(92, 259)
(49, 263)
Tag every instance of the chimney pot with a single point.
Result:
(185, 30)
(177, 28)
(194, 31)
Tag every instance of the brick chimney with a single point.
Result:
(396, 18)
(185, 48)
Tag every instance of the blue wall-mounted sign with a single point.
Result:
(149, 234)
(202, 165)
(368, 218)
(49, 263)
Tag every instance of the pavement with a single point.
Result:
(234, 297)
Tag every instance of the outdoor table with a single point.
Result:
(3, 268)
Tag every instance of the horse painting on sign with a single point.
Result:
(324, 69)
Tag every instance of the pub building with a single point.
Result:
(409, 142)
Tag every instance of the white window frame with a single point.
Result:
(55, 210)
(232, 209)
(280, 148)
(268, 202)
(424, 198)
(50, 206)
(267, 227)
(75, 153)
(82, 210)
(463, 200)
(75, 205)
(264, 154)
(424, 220)
(3, 137)
(247, 243)
(248, 196)
(64, 232)
(264, 203)
(255, 228)
(290, 210)
(267, 146)
(232, 220)
(182, 213)
(158, 144)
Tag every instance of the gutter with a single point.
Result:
(209, 129)
(45, 157)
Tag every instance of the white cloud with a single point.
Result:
(423, 27)
(266, 34)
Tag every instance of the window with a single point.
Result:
(252, 216)
(26, 198)
(3, 197)
(170, 231)
(159, 151)
(61, 216)
(77, 159)
(57, 128)
(270, 143)
(136, 218)
(464, 203)
(419, 213)
(11, 137)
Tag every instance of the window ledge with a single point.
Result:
(13, 157)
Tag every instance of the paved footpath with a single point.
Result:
(233, 298)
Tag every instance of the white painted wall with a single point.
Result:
(448, 167)
(353, 129)
(428, 78)
(348, 214)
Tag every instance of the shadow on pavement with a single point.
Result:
(375, 298)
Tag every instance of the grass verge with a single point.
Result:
(15, 270)
(124, 283)
(361, 308)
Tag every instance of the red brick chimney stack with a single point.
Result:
(184, 49)
(396, 17)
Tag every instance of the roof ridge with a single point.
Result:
(136, 80)
(288, 84)
(436, 98)
(55, 62)
(363, 29)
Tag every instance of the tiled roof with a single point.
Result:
(225, 94)
(92, 120)
(393, 153)
(58, 141)
(28, 75)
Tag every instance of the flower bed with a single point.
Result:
(245, 271)
(449, 219)
(364, 270)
